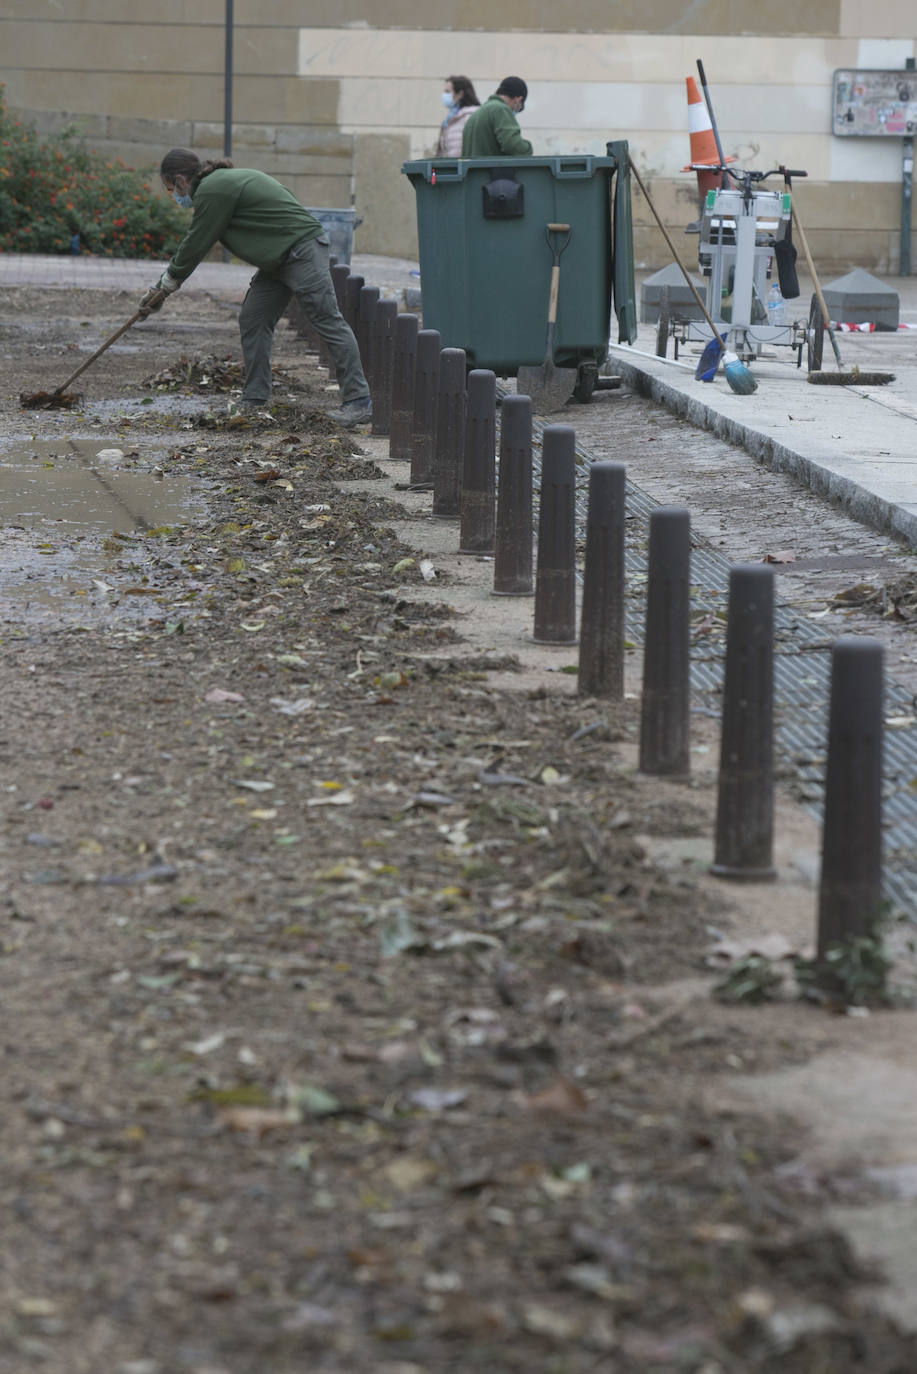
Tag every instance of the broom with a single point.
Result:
(737, 375)
(839, 378)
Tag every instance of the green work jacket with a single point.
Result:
(493, 131)
(250, 213)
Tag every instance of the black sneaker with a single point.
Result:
(353, 413)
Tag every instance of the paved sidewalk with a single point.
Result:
(855, 445)
(84, 273)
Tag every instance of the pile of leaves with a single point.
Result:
(58, 196)
(896, 600)
(198, 374)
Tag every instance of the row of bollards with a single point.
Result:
(441, 419)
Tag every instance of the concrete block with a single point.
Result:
(153, 95)
(681, 301)
(318, 190)
(164, 133)
(284, 100)
(173, 12)
(208, 135)
(285, 165)
(43, 90)
(413, 299)
(859, 298)
(383, 197)
(89, 126)
(139, 157)
(316, 141)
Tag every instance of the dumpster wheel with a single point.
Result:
(586, 377)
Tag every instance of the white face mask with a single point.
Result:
(447, 99)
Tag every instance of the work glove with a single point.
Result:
(155, 297)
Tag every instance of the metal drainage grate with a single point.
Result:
(802, 669)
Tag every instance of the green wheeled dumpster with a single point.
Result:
(485, 259)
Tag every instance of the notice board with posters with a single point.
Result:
(875, 104)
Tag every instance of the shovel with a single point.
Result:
(549, 387)
(60, 399)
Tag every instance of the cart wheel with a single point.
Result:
(662, 330)
(815, 337)
(586, 376)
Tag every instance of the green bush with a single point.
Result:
(52, 188)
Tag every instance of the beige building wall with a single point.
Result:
(334, 97)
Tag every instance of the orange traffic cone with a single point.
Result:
(703, 143)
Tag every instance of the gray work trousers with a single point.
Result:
(305, 274)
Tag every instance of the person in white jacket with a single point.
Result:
(460, 101)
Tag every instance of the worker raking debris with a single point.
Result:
(260, 221)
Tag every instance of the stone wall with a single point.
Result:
(333, 102)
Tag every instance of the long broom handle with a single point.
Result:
(98, 353)
(709, 103)
(672, 249)
(815, 282)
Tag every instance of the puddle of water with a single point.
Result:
(60, 500)
(162, 403)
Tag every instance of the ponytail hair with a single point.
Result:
(181, 162)
(465, 93)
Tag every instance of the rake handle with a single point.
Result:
(822, 305)
(672, 249)
(98, 353)
(555, 269)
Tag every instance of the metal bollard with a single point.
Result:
(513, 539)
(381, 348)
(449, 452)
(850, 893)
(352, 288)
(404, 363)
(601, 653)
(369, 300)
(664, 735)
(745, 801)
(426, 389)
(479, 465)
(555, 576)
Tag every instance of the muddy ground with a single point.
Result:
(347, 1022)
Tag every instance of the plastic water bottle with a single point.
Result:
(775, 305)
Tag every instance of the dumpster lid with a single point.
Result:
(567, 167)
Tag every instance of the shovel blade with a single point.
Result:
(549, 387)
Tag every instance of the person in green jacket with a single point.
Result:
(260, 221)
(493, 130)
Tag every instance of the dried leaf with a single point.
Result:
(560, 1098)
(407, 1173)
(208, 1044)
(256, 1121)
(781, 556)
(343, 798)
(297, 707)
(438, 1099)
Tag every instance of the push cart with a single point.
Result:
(741, 225)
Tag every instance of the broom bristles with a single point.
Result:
(738, 376)
(852, 378)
